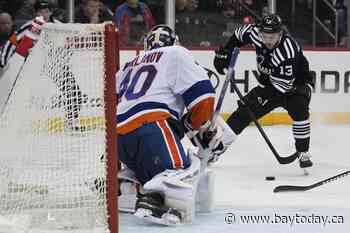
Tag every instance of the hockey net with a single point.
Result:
(58, 137)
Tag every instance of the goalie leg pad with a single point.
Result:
(129, 187)
(179, 188)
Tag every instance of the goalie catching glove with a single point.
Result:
(217, 136)
(30, 37)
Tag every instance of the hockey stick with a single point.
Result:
(292, 188)
(13, 67)
(229, 76)
(205, 152)
(281, 159)
(212, 75)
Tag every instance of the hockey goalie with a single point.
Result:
(154, 89)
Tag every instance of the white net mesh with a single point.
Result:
(52, 131)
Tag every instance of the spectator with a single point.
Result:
(32, 8)
(228, 8)
(41, 9)
(134, 19)
(92, 11)
(6, 27)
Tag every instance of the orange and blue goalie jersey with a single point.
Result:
(160, 84)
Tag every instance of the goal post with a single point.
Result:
(58, 141)
(111, 64)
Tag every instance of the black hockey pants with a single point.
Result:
(262, 100)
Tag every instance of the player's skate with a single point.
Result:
(151, 206)
(305, 161)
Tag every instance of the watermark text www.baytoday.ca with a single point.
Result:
(232, 218)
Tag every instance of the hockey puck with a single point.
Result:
(270, 178)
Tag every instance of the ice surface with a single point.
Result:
(241, 189)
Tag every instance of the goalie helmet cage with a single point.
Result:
(58, 168)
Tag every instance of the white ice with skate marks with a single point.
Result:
(68, 173)
(241, 189)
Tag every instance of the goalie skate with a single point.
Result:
(151, 208)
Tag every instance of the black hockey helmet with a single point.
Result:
(160, 36)
(271, 24)
(41, 4)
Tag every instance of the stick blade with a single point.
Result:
(289, 188)
(288, 159)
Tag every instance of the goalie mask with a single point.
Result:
(160, 36)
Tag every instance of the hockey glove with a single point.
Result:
(208, 136)
(212, 139)
(225, 137)
(30, 37)
(222, 60)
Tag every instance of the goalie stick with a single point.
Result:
(205, 152)
(280, 159)
(296, 188)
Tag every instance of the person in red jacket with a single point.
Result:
(133, 19)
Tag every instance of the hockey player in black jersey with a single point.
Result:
(284, 79)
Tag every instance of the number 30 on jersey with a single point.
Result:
(133, 79)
